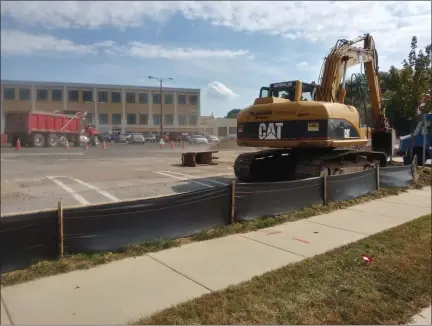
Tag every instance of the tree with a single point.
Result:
(232, 114)
(407, 86)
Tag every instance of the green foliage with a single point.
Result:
(407, 85)
(402, 88)
(232, 114)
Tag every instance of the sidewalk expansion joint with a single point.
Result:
(8, 315)
(398, 218)
(335, 227)
(269, 245)
(393, 202)
(180, 273)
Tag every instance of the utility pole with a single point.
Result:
(161, 80)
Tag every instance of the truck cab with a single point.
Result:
(416, 139)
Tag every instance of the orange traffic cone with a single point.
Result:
(67, 145)
(172, 145)
(86, 145)
(104, 147)
(18, 145)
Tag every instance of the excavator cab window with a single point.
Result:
(264, 92)
(286, 90)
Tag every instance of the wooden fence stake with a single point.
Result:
(60, 229)
(377, 169)
(325, 184)
(233, 191)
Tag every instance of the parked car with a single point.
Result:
(198, 139)
(150, 138)
(120, 139)
(136, 139)
(213, 139)
(107, 138)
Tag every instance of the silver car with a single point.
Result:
(198, 139)
(137, 139)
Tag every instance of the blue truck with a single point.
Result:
(411, 145)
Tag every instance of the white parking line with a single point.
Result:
(40, 154)
(102, 192)
(184, 179)
(71, 192)
(192, 176)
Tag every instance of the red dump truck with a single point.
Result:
(45, 129)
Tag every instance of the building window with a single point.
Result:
(130, 98)
(143, 119)
(182, 120)
(193, 99)
(103, 96)
(115, 97)
(42, 94)
(232, 130)
(89, 118)
(156, 99)
(131, 119)
(73, 96)
(193, 120)
(24, 94)
(168, 98)
(103, 118)
(143, 98)
(156, 119)
(181, 99)
(56, 95)
(87, 96)
(9, 93)
(70, 112)
(116, 119)
(169, 119)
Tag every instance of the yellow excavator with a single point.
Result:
(309, 130)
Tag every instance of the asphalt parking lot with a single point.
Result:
(37, 178)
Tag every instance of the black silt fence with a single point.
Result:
(351, 185)
(27, 238)
(115, 226)
(396, 176)
(253, 200)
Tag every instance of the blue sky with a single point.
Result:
(227, 49)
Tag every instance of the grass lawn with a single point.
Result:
(332, 288)
(84, 261)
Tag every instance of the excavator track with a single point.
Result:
(294, 164)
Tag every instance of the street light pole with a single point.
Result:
(161, 80)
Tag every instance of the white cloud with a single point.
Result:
(219, 91)
(14, 42)
(17, 42)
(157, 51)
(314, 21)
(302, 64)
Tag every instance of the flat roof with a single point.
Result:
(86, 85)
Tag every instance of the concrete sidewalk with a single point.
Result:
(131, 288)
(423, 317)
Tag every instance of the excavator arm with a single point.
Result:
(342, 56)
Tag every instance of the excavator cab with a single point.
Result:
(292, 90)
